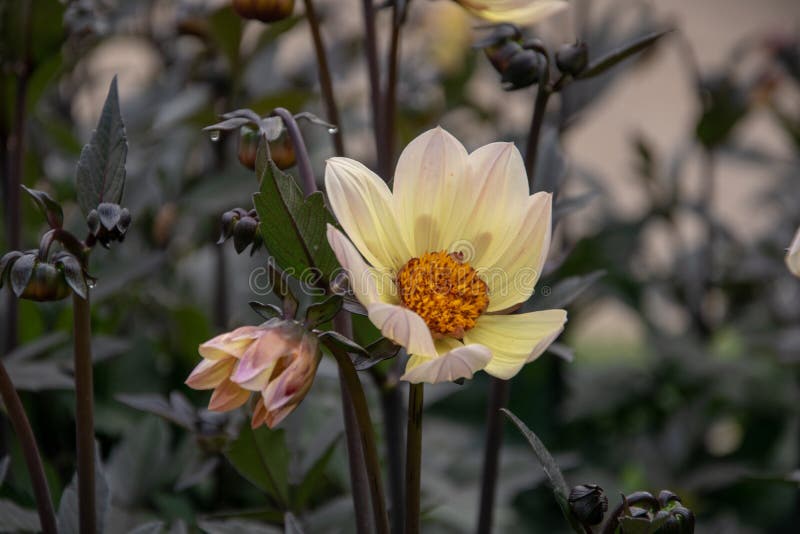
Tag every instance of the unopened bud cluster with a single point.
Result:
(244, 227)
(108, 223)
(32, 278)
(588, 503)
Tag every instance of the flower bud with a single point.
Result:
(108, 223)
(523, 70)
(33, 279)
(588, 503)
(278, 360)
(282, 152)
(681, 521)
(248, 147)
(572, 58)
(244, 233)
(793, 255)
(264, 10)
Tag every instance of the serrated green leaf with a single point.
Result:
(314, 475)
(68, 507)
(294, 228)
(617, 55)
(260, 455)
(51, 209)
(101, 168)
(15, 518)
(323, 312)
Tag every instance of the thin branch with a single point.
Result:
(303, 161)
(84, 413)
(414, 458)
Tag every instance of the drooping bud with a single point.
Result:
(282, 152)
(572, 58)
(278, 360)
(264, 10)
(588, 503)
(518, 64)
(248, 147)
(33, 279)
(524, 70)
(244, 233)
(108, 223)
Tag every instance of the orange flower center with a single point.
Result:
(445, 291)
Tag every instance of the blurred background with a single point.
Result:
(677, 181)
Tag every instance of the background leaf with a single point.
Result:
(260, 455)
(101, 167)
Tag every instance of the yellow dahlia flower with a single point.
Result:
(277, 359)
(457, 245)
(793, 256)
(522, 12)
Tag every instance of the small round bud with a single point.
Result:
(501, 54)
(244, 232)
(523, 70)
(588, 503)
(681, 521)
(282, 152)
(573, 58)
(248, 147)
(264, 10)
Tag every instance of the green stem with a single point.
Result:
(498, 398)
(371, 49)
(390, 95)
(16, 413)
(84, 413)
(303, 161)
(367, 435)
(537, 120)
(414, 458)
(359, 481)
(325, 83)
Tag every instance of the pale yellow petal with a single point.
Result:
(368, 284)
(522, 12)
(429, 191)
(457, 361)
(499, 184)
(793, 256)
(229, 344)
(514, 274)
(515, 340)
(402, 326)
(227, 396)
(362, 204)
(210, 373)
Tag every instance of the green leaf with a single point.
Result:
(15, 518)
(177, 409)
(68, 507)
(380, 350)
(314, 476)
(560, 488)
(101, 167)
(47, 206)
(323, 312)
(563, 293)
(294, 228)
(260, 455)
(617, 55)
(140, 463)
(266, 311)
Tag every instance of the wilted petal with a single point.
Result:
(210, 373)
(362, 204)
(404, 327)
(458, 361)
(228, 396)
(515, 340)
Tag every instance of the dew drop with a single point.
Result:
(215, 135)
(91, 283)
(333, 130)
